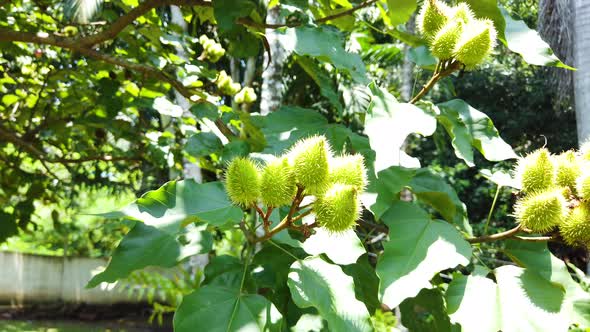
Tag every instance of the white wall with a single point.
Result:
(26, 278)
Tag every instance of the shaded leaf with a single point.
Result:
(203, 144)
(426, 312)
(315, 283)
(418, 248)
(400, 11)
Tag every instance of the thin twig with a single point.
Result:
(446, 71)
(495, 237)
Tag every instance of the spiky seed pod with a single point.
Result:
(536, 171)
(575, 229)
(242, 181)
(540, 212)
(277, 183)
(432, 17)
(583, 185)
(461, 12)
(349, 169)
(476, 43)
(567, 170)
(309, 160)
(443, 45)
(338, 209)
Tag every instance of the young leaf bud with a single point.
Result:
(432, 17)
(242, 181)
(536, 171)
(567, 170)
(277, 183)
(338, 209)
(476, 43)
(575, 229)
(350, 170)
(309, 159)
(542, 211)
(443, 45)
(583, 185)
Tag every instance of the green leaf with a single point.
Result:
(179, 202)
(147, 245)
(8, 226)
(537, 257)
(400, 11)
(489, 9)
(417, 249)
(472, 302)
(166, 107)
(228, 11)
(315, 283)
(224, 270)
(469, 128)
(388, 124)
(205, 110)
(366, 282)
(341, 248)
(421, 56)
(426, 312)
(215, 308)
(521, 300)
(324, 44)
(321, 78)
(203, 144)
(534, 50)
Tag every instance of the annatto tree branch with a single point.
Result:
(495, 237)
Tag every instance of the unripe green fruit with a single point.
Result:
(443, 45)
(223, 80)
(536, 171)
(567, 170)
(233, 88)
(338, 209)
(540, 212)
(461, 12)
(246, 95)
(575, 230)
(277, 183)
(476, 43)
(203, 39)
(432, 17)
(350, 170)
(242, 181)
(309, 160)
(583, 185)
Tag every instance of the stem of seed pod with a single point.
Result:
(306, 213)
(436, 76)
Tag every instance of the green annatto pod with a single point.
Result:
(432, 17)
(277, 183)
(242, 181)
(536, 171)
(476, 43)
(349, 169)
(309, 160)
(542, 211)
(338, 209)
(461, 12)
(246, 95)
(583, 185)
(575, 230)
(443, 45)
(567, 170)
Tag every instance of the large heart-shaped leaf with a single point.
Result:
(146, 245)
(341, 248)
(316, 283)
(470, 128)
(520, 301)
(418, 248)
(388, 123)
(215, 308)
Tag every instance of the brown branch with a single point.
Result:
(288, 220)
(248, 22)
(435, 78)
(495, 237)
(536, 238)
